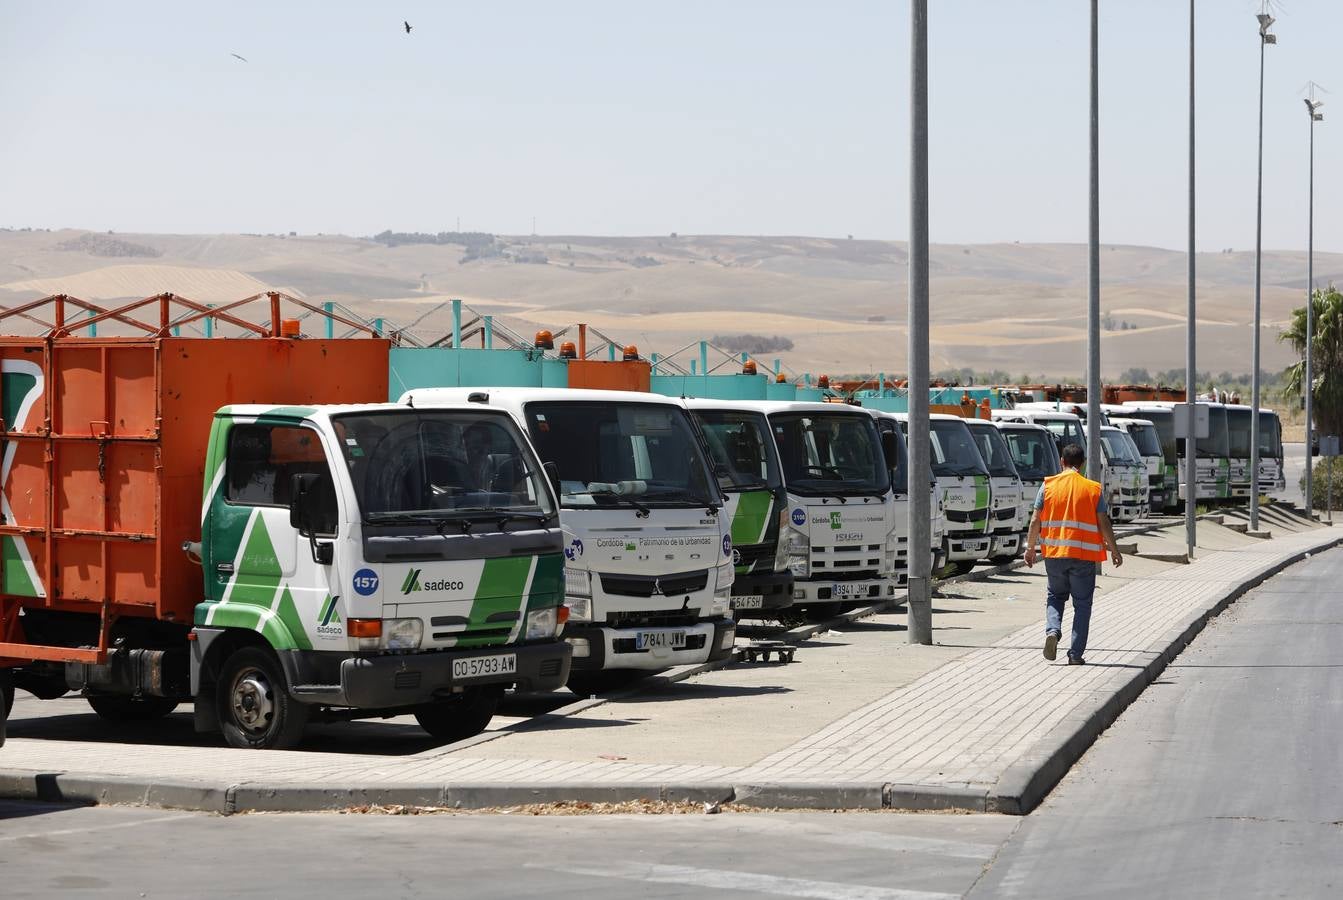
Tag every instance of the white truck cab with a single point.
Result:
(1035, 455)
(647, 548)
(843, 533)
(747, 465)
(889, 423)
(964, 489)
(1125, 484)
(1009, 515)
(1145, 439)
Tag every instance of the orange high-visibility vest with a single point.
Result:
(1068, 522)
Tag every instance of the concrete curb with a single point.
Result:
(1029, 780)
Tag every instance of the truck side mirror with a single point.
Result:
(552, 471)
(312, 509)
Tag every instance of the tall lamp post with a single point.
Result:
(919, 600)
(1313, 110)
(1265, 38)
(1191, 323)
(1095, 461)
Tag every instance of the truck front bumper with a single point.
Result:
(1006, 543)
(755, 592)
(603, 647)
(830, 591)
(964, 545)
(390, 681)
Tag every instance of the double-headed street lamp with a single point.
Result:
(1313, 110)
(1265, 38)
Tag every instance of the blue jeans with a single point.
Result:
(1075, 578)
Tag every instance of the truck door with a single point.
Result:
(257, 559)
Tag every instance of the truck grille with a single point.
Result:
(644, 585)
(1005, 513)
(655, 619)
(846, 560)
(750, 554)
(964, 515)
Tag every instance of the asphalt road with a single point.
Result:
(1224, 779)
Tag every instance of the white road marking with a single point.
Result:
(721, 880)
(64, 831)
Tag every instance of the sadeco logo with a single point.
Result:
(412, 584)
(834, 521)
(328, 619)
(799, 517)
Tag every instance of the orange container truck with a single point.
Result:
(181, 520)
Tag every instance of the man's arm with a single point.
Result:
(1108, 532)
(1032, 538)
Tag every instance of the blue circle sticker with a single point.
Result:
(727, 545)
(799, 517)
(365, 582)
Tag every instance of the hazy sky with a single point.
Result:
(730, 116)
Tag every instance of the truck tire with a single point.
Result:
(6, 692)
(256, 710)
(121, 708)
(464, 716)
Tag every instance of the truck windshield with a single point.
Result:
(613, 453)
(1217, 444)
(830, 454)
(739, 443)
(1117, 449)
(1145, 439)
(1033, 452)
(954, 450)
(1163, 420)
(1270, 440)
(900, 471)
(440, 463)
(1238, 421)
(993, 449)
(1068, 431)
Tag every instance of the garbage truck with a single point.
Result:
(964, 489)
(648, 566)
(746, 463)
(1009, 514)
(236, 523)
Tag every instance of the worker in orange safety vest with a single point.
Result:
(1071, 523)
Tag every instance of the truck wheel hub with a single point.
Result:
(252, 701)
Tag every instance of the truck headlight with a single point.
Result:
(578, 593)
(402, 634)
(580, 608)
(543, 624)
(798, 551)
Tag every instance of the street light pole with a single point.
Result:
(920, 592)
(1191, 324)
(1095, 462)
(1313, 109)
(1265, 38)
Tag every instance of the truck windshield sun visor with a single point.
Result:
(830, 454)
(458, 470)
(613, 454)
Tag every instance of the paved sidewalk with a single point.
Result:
(991, 729)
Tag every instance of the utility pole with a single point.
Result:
(1265, 38)
(920, 597)
(1313, 109)
(1190, 329)
(1095, 461)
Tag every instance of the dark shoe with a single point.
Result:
(1076, 661)
(1051, 645)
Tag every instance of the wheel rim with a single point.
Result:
(252, 701)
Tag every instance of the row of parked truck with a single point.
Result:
(249, 525)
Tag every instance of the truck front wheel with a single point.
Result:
(461, 717)
(118, 708)
(256, 711)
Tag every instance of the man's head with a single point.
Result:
(1073, 456)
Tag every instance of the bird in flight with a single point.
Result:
(407, 24)
(236, 56)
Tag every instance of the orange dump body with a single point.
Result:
(104, 448)
(608, 375)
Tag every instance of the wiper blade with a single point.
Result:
(399, 518)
